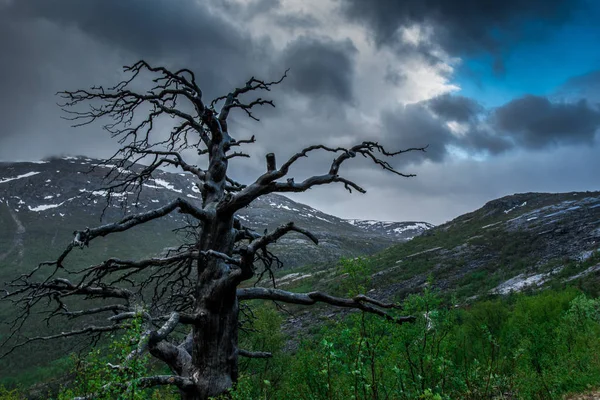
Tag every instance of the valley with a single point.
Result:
(526, 242)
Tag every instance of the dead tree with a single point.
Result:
(196, 287)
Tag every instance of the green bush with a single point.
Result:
(525, 346)
(538, 346)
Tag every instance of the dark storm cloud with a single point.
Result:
(583, 86)
(148, 27)
(37, 59)
(321, 67)
(18, 80)
(463, 26)
(455, 108)
(484, 140)
(52, 45)
(535, 122)
(247, 10)
(530, 122)
(414, 126)
(179, 31)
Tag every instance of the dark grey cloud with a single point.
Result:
(321, 67)
(48, 46)
(247, 10)
(463, 27)
(585, 86)
(535, 122)
(455, 108)
(292, 22)
(394, 77)
(484, 140)
(169, 31)
(530, 122)
(414, 126)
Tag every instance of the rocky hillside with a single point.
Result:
(42, 203)
(401, 230)
(526, 241)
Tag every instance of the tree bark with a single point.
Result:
(215, 336)
(214, 352)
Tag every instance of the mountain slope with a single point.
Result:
(401, 230)
(520, 242)
(42, 203)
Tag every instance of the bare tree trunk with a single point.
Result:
(215, 337)
(215, 350)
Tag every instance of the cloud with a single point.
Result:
(446, 124)
(49, 46)
(459, 28)
(321, 67)
(414, 126)
(292, 22)
(171, 32)
(343, 87)
(459, 126)
(535, 122)
(585, 86)
(455, 108)
(247, 10)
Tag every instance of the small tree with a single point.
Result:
(196, 286)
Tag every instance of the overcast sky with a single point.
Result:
(506, 94)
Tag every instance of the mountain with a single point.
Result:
(523, 242)
(42, 203)
(399, 230)
(527, 241)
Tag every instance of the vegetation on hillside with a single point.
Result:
(526, 346)
(518, 323)
(535, 345)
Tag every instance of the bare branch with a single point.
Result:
(260, 242)
(232, 99)
(151, 338)
(360, 302)
(87, 330)
(254, 354)
(83, 238)
(278, 233)
(267, 183)
(224, 257)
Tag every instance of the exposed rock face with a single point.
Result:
(400, 230)
(511, 244)
(521, 242)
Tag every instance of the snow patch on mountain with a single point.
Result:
(45, 207)
(27, 175)
(523, 281)
(515, 207)
(400, 230)
(162, 184)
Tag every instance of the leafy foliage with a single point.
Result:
(107, 373)
(524, 346)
